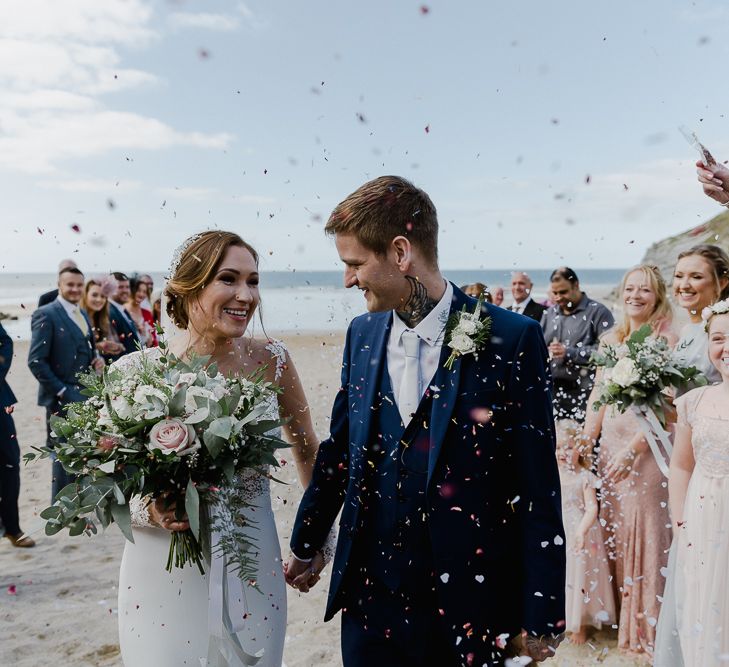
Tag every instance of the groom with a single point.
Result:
(451, 547)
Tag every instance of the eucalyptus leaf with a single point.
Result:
(121, 516)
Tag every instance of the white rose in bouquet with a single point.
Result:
(192, 392)
(145, 392)
(625, 372)
(186, 378)
(121, 406)
(173, 435)
(461, 343)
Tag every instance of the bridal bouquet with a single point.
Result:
(638, 372)
(161, 427)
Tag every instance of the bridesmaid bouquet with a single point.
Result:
(166, 428)
(639, 371)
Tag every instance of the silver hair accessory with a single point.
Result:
(177, 255)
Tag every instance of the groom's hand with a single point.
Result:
(302, 575)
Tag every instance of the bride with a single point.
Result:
(215, 620)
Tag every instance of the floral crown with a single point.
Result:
(179, 252)
(718, 308)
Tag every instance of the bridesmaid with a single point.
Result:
(699, 497)
(634, 495)
(701, 278)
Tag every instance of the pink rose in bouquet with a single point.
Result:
(173, 435)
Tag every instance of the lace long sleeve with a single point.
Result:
(139, 512)
(329, 547)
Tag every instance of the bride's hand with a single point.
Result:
(163, 515)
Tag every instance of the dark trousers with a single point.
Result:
(382, 628)
(9, 474)
(59, 477)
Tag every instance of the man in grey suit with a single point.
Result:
(61, 347)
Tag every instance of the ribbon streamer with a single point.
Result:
(652, 429)
(224, 646)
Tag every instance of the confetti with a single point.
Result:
(12, 590)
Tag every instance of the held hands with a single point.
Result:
(163, 515)
(715, 181)
(620, 465)
(301, 575)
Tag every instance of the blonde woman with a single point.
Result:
(633, 494)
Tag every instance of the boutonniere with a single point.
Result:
(466, 333)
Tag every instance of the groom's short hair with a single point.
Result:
(386, 207)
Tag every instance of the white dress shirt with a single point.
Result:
(519, 307)
(431, 333)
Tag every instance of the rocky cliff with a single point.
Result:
(664, 253)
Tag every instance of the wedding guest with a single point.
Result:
(715, 181)
(9, 452)
(477, 290)
(633, 494)
(590, 601)
(498, 295)
(698, 485)
(96, 304)
(62, 346)
(147, 280)
(701, 278)
(118, 315)
(572, 328)
(157, 307)
(521, 290)
(51, 295)
(143, 320)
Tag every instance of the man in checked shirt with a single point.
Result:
(572, 329)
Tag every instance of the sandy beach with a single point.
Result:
(58, 601)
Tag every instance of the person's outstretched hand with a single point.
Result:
(715, 181)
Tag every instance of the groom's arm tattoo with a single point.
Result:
(418, 305)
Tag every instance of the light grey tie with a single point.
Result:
(409, 397)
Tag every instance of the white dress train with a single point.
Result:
(164, 618)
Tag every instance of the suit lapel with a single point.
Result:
(69, 324)
(447, 382)
(371, 356)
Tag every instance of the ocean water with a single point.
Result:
(302, 301)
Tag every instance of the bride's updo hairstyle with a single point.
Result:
(194, 265)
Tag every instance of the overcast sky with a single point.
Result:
(545, 132)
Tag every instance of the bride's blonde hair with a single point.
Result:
(197, 263)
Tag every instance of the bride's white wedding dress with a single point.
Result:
(168, 619)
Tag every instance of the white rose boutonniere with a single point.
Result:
(466, 333)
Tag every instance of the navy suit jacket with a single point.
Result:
(59, 351)
(7, 397)
(127, 331)
(493, 492)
